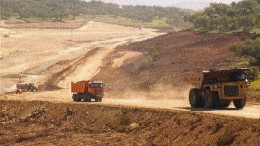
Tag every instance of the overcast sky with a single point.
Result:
(191, 4)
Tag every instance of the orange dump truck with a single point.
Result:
(87, 90)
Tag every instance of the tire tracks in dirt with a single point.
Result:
(86, 67)
(71, 65)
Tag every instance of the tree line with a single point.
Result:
(240, 16)
(57, 10)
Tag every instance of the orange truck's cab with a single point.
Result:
(87, 90)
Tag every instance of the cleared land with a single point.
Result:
(142, 107)
(31, 52)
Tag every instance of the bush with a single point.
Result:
(154, 51)
(253, 74)
(250, 48)
(255, 85)
(255, 78)
(148, 59)
(146, 62)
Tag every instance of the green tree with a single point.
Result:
(244, 15)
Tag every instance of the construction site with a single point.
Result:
(141, 96)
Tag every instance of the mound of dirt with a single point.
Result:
(35, 122)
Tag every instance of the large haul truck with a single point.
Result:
(213, 89)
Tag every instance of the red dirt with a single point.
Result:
(255, 96)
(35, 122)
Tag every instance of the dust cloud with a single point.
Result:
(156, 92)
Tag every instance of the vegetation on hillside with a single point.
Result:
(250, 48)
(255, 85)
(58, 10)
(241, 16)
(149, 58)
(251, 51)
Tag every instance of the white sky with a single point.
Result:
(191, 4)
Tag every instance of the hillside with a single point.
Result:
(62, 10)
(180, 53)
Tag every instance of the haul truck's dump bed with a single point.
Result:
(79, 87)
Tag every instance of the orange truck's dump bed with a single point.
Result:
(79, 87)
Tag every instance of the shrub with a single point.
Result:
(253, 74)
(148, 59)
(145, 62)
(255, 86)
(154, 51)
(250, 48)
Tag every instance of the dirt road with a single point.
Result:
(252, 110)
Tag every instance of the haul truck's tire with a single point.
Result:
(195, 99)
(78, 98)
(74, 97)
(84, 98)
(88, 98)
(224, 103)
(211, 99)
(240, 103)
(98, 99)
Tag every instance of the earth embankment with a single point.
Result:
(38, 122)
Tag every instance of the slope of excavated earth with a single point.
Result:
(45, 123)
(38, 55)
(180, 53)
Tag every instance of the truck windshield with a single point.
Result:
(96, 85)
(238, 77)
